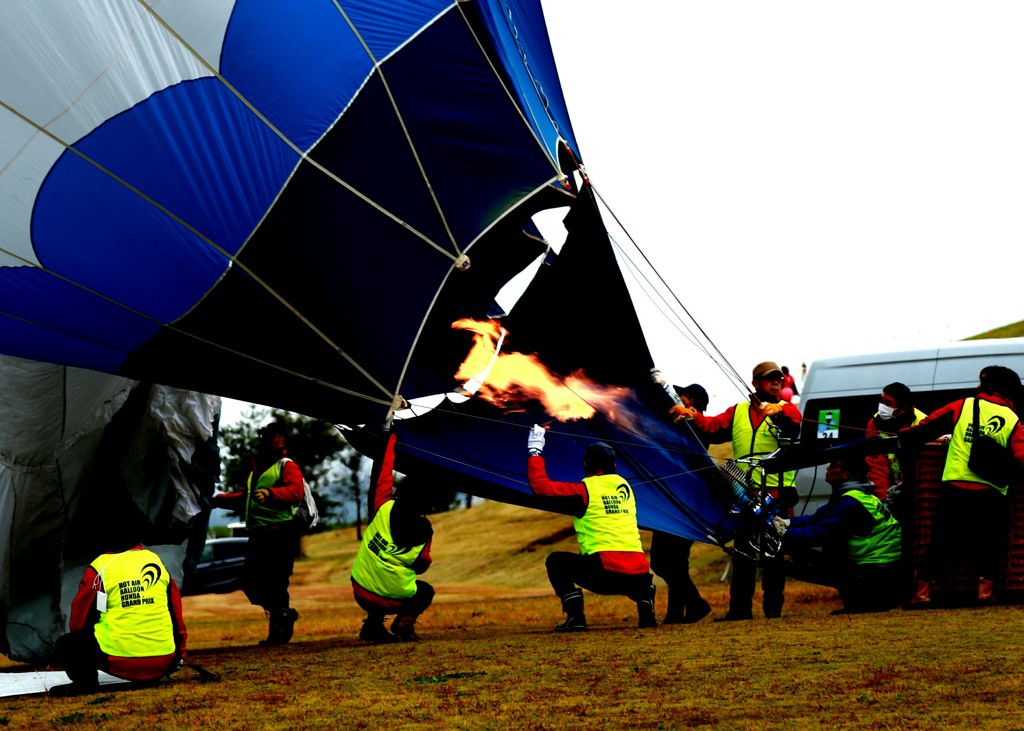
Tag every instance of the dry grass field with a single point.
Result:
(489, 660)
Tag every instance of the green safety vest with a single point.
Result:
(746, 443)
(257, 515)
(894, 460)
(610, 521)
(882, 544)
(995, 420)
(380, 565)
(137, 622)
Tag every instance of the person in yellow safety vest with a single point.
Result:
(972, 516)
(754, 428)
(395, 549)
(895, 411)
(611, 558)
(273, 489)
(125, 620)
(861, 542)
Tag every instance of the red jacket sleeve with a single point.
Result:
(717, 429)
(939, 422)
(789, 420)
(878, 464)
(384, 490)
(541, 484)
(82, 606)
(177, 619)
(290, 489)
(423, 561)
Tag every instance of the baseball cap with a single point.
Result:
(274, 427)
(763, 370)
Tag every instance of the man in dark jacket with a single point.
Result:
(670, 554)
(860, 539)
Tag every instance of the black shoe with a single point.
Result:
(67, 690)
(674, 618)
(404, 629)
(697, 613)
(375, 632)
(645, 614)
(734, 617)
(573, 623)
(772, 615)
(282, 625)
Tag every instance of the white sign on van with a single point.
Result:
(828, 424)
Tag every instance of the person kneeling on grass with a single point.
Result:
(861, 542)
(395, 549)
(611, 558)
(125, 620)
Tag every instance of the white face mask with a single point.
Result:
(885, 412)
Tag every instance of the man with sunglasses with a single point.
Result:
(754, 427)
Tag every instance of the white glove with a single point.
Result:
(781, 525)
(535, 442)
(657, 377)
(892, 495)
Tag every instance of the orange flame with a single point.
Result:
(509, 380)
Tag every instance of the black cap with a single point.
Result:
(599, 457)
(696, 393)
(274, 427)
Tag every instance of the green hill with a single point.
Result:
(1016, 330)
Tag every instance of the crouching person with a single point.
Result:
(860, 542)
(126, 620)
(611, 558)
(395, 549)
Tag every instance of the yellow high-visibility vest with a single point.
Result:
(610, 521)
(746, 443)
(381, 566)
(137, 622)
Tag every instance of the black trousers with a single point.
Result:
(413, 607)
(974, 524)
(269, 560)
(744, 581)
(670, 559)
(863, 588)
(80, 656)
(566, 571)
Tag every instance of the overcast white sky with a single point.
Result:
(812, 178)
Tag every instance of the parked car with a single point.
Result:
(219, 569)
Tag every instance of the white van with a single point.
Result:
(840, 395)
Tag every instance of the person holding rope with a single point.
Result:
(611, 559)
(973, 513)
(895, 411)
(274, 487)
(670, 554)
(395, 550)
(754, 427)
(861, 542)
